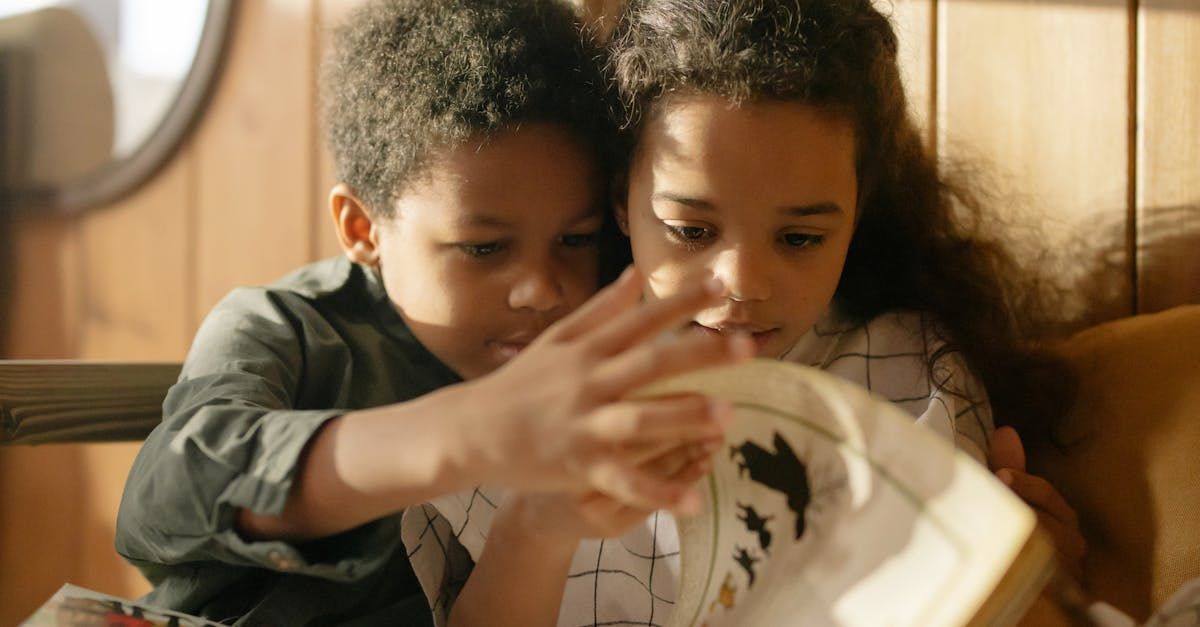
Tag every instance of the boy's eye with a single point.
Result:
(802, 240)
(480, 250)
(579, 240)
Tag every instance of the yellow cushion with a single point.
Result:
(1134, 475)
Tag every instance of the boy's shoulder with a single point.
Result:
(319, 279)
(334, 287)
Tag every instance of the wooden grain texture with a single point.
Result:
(1039, 92)
(254, 150)
(48, 401)
(136, 270)
(913, 21)
(43, 310)
(1168, 167)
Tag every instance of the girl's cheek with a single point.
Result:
(668, 278)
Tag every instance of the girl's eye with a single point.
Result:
(579, 240)
(480, 250)
(689, 234)
(802, 240)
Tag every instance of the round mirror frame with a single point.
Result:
(118, 178)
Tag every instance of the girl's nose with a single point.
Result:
(744, 273)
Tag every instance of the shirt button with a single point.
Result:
(282, 562)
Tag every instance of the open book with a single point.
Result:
(831, 507)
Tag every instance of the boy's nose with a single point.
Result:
(744, 273)
(538, 289)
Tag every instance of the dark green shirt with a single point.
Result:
(268, 367)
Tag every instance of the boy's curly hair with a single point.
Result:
(410, 77)
(922, 240)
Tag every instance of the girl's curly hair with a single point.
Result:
(922, 241)
(407, 78)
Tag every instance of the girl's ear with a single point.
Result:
(356, 229)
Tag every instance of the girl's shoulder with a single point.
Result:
(890, 335)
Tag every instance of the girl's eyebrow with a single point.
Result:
(799, 211)
(819, 208)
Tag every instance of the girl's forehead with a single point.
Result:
(757, 132)
(764, 152)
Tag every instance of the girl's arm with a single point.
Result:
(521, 540)
(536, 535)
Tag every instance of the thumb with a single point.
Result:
(1005, 450)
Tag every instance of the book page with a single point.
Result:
(831, 507)
(73, 606)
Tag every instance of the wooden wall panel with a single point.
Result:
(914, 24)
(1168, 205)
(43, 323)
(254, 157)
(1040, 90)
(135, 275)
(119, 291)
(43, 311)
(1168, 181)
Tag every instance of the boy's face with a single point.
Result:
(495, 242)
(762, 195)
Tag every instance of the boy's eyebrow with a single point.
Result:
(484, 220)
(819, 208)
(490, 221)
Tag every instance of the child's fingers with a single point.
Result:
(1070, 543)
(650, 319)
(610, 517)
(667, 460)
(640, 488)
(617, 376)
(665, 419)
(1039, 493)
(1005, 450)
(622, 295)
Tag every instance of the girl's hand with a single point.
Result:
(1006, 457)
(558, 417)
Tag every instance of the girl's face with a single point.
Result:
(762, 195)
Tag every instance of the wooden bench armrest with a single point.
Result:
(75, 401)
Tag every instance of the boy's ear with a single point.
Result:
(620, 209)
(356, 228)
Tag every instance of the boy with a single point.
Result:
(470, 211)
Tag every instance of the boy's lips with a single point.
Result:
(761, 334)
(508, 347)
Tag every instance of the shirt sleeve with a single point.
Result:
(958, 406)
(230, 439)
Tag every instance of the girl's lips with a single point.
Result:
(761, 336)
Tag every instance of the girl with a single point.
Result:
(769, 144)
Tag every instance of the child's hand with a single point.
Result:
(1006, 457)
(565, 519)
(557, 417)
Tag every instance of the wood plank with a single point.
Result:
(48, 401)
(253, 154)
(1040, 89)
(43, 308)
(1168, 168)
(913, 21)
(136, 270)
